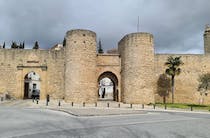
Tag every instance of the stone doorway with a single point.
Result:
(108, 87)
(31, 85)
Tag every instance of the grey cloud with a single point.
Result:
(33, 20)
(177, 26)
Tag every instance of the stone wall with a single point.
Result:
(7, 76)
(110, 63)
(72, 72)
(55, 74)
(186, 83)
(16, 63)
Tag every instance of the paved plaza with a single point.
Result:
(24, 122)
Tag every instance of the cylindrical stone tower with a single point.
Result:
(207, 40)
(137, 68)
(80, 66)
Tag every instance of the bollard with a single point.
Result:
(37, 101)
(191, 108)
(119, 105)
(108, 105)
(131, 105)
(95, 104)
(47, 99)
(142, 106)
(72, 103)
(154, 106)
(83, 104)
(59, 103)
(165, 106)
(2, 99)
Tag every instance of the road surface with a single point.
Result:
(38, 123)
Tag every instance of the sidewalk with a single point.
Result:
(102, 108)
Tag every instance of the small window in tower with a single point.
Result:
(75, 41)
(84, 42)
(83, 34)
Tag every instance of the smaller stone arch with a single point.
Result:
(32, 85)
(110, 75)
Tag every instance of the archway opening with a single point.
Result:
(32, 86)
(108, 86)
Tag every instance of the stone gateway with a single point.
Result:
(73, 72)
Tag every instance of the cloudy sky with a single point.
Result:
(177, 25)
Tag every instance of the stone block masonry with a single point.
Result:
(137, 68)
(80, 66)
(72, 72)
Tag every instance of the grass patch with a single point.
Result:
(185, 106)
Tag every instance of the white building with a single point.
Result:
(106, 86)
(32, 82)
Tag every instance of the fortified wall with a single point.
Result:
(73, 72)
(15, 64)
(186, 84)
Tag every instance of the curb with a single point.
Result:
(89, 115)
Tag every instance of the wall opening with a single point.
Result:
(32, 86)
(108, 87)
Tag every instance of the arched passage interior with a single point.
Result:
(32, 85)
(108, 86)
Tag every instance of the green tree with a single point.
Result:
(100, 50)
(14, 45)
(173, 69)
(163, 86)
(23, 45)
(64, 42)
(204, 83)
(4, 45)
(36, 45)
(20, 46)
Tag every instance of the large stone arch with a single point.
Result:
(113, 77)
